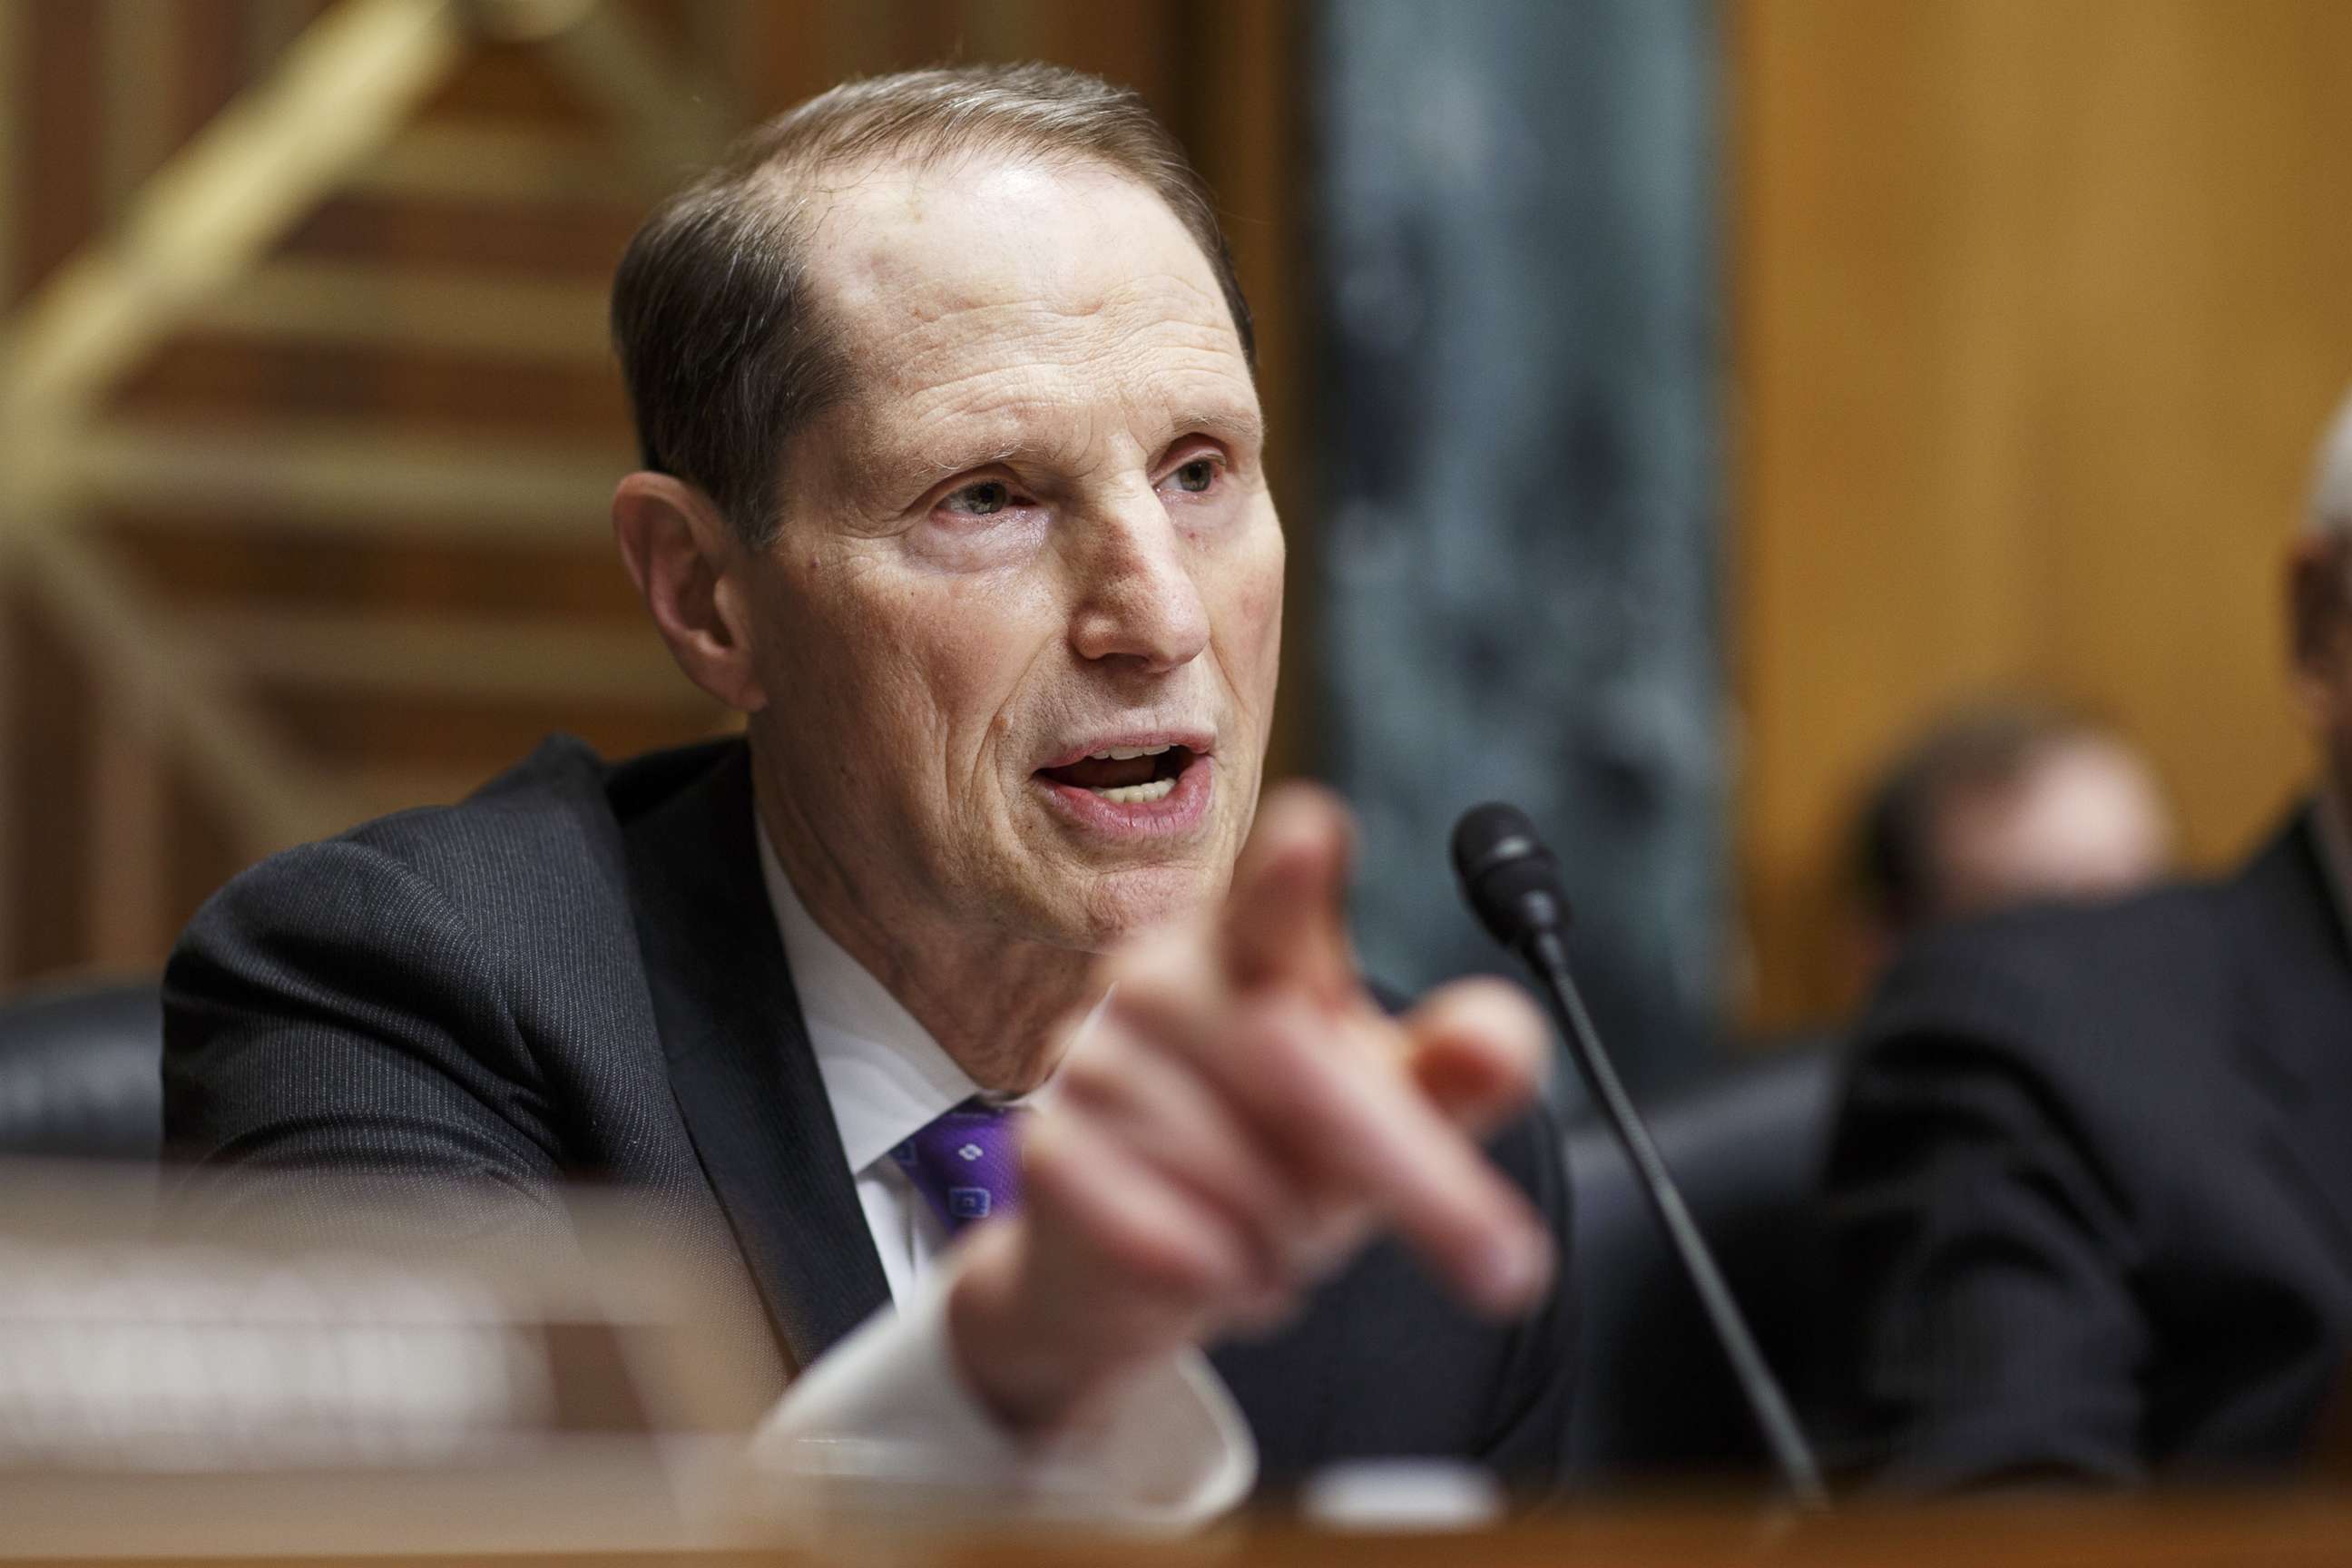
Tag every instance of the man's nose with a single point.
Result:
(1138, 598)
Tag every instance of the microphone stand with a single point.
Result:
(1791, 1455)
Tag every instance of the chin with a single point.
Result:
(1114, 906)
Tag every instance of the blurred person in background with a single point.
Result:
(2092, 1184)
(2001, 805)
(954, 486)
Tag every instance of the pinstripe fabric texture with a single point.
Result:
(2091, 1189)
(430, 1026)
(453, 1015)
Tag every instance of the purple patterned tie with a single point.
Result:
(967, 1164)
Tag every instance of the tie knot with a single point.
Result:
(966, 1163)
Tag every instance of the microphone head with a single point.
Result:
(1509, 878)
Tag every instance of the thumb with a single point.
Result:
(1477, 1050)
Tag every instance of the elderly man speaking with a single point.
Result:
(969, 1007)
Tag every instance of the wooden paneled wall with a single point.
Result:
(355, 494)
(2039, 306)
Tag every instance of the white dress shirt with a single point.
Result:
(888, 1407)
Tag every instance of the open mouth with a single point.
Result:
(1125, 776)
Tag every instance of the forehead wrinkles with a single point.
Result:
(926, 259)
(1014, 352)
(1074, 417)
(1017, 375)
(1020, 306)
(934, 325)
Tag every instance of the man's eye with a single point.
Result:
(983, 500)
(1197, 475)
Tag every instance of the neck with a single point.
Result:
(1001, 1008)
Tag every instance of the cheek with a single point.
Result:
(1252, 618)
(972, 649)
(936, 663)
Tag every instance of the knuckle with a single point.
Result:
(1297, 1075)
(1281, 1047)
(1164, 1266)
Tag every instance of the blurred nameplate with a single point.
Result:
(314, 1387)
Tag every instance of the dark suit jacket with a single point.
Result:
(2091, 1189)
(575, 975)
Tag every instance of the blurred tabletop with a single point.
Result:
(2251, 1529)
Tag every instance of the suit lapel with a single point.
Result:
(741, 1064)
(2295, 971)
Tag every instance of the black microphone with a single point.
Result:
(1512, 884)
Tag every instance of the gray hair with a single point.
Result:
(2331, 477)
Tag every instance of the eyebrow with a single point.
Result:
(931, 470)
(1235, 425)
(1242, 426)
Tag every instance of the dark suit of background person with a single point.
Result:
(575, 976)
(2092, 1187)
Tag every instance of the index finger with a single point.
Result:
(1284, 920)
(1367, 1128)
(1342, 1109)
(1476, 1048)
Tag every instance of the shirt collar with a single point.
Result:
(885, 1076)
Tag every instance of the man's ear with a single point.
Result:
(689, 567)
(2319, 621)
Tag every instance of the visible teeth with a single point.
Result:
(1138, 794)
(1121, 753)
